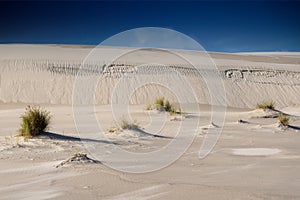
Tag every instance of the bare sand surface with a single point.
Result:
(250, 161)
(254, 158)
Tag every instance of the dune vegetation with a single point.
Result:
(162, 104)
(283, 120)
(35, 121)
(266, 105)
(126, 125)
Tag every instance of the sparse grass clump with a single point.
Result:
(283, 120)
(35, 121)
(126, 125)
(168, 106)
(266, 105)
(163, 105)
(174, 111)
(159, 101)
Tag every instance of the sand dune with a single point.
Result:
(253, 157)
(46, 74)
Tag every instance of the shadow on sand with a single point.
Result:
(294, 127)
(144, 133)
(57, 136)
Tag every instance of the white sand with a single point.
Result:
(267, 165)
(247, 79)
(28, 168)
(256, 152)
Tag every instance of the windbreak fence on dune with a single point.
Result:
(52, 80)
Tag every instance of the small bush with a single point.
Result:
(283, 120)
(159, 101)
(35, 121)
(266, 105)
(125, 125)
(161, 104)
(168, 106)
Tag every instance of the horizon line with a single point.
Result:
(117, 46)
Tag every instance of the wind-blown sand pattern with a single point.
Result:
(254, 157)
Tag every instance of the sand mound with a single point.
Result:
(261, 113)
(78, 158)
(268, 113)
(209, 126)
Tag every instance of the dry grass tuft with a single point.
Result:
(35, 121)
(159, 101)
(266, 105)
(125, 125)
(283, 120)
(161, 104)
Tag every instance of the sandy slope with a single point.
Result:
(46, 74)
(253, 159)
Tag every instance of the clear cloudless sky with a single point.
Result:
(225, 26)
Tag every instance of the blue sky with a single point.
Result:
(225, 26)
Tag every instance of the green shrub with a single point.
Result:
(266, 105)
(283, 120)
(35, 121)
